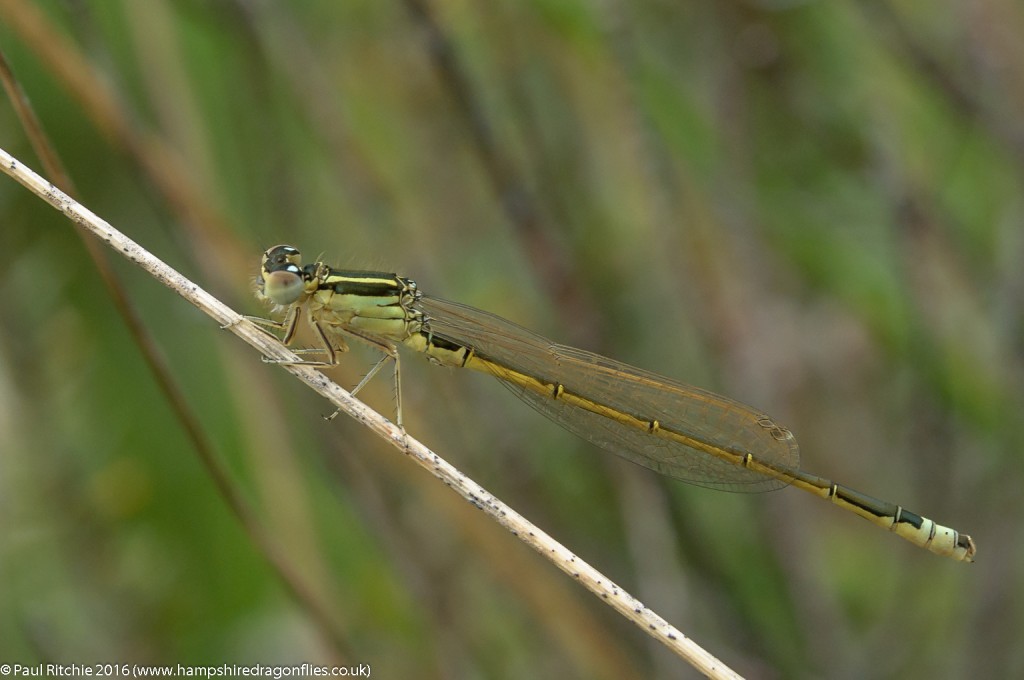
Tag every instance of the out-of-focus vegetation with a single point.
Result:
(813, 207)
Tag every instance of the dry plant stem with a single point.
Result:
(172, 391)
(556, 553)
(289, 574)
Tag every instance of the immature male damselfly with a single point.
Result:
(680, 431)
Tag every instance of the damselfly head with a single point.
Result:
(281, 280)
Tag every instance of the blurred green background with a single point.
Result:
(812, 207)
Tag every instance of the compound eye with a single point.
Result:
(279, 255)
(283, 285)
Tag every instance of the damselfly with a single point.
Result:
(680, 431)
